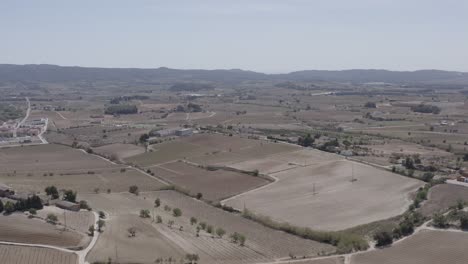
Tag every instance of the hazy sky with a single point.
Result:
(260, 35)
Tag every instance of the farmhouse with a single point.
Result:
(66, 205)
(5, 190)
(184, 132)
(163, 133)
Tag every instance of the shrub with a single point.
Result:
(439, 220)
(145, 213)
(176, 212)
(69, 195)
(52, 218)
(133, 189)
(383, 238)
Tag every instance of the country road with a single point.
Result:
(24, 119)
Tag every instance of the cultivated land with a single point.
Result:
(426, 247)
(11, 254)
(443, 196)
(20, 229)
(209, 149)
(325, 197)
(262, 243)
(241, 121)
(213, 184)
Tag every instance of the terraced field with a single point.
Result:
(426, 247)
(10, 254)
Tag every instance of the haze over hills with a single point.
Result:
(54, 73)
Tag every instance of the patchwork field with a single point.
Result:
(426, 247)
(214, 185)
(261, 241)
(20, 229)
(10, 254)
(326, 196)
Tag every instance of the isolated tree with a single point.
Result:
(52, 218)
(52, 191)
(193, 220)
(167, 208)
(158, 219)
(102, 215)
(157, 203)
(234, 237)
(199, 196)
(176, 212)
(242, 240)
(1, 206)
(131, 231)
(170, 223)
(220, 232)
(91, 230)
(100, 224)
(145, 213)
(383, 238)
(133, 189)
(209, 229)
(69, 195)
(202, 225)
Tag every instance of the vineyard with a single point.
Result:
(10, 254)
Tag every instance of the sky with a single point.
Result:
(272, 36)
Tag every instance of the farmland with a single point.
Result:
(426, 247)
(327, 196)
(443, 196)
(213, 184)
(18, 228)
(10, 254)
(271, 169)
(260, 242)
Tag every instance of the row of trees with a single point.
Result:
(32, 202)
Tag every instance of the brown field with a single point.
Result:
(82, 181)
(47, 158)
(338, 203)
(120, 151)
(442, 196)
(10, 254)
(148, 245)
(78, 221)
(20, 229)
(286, 160)
(214, 185)
(426, 247)
(209, 149)
(261, 241)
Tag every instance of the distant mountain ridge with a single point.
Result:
(54, 73)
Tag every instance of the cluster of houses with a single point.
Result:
(7, 194)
